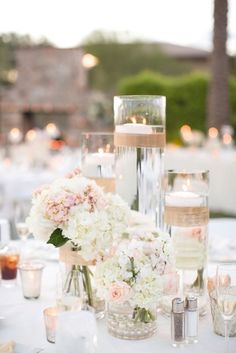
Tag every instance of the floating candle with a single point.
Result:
(100, 158)
(183, 199)
(130, 128)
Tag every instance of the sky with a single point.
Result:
(67, 22)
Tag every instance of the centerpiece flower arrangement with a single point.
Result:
(76, 211)
(132, 281)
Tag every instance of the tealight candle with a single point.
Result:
(132, 128)
(31, 274)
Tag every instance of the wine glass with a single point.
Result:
(226, 294)
(21, 213)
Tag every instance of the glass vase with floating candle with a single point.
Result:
(186, 219)
(98, 159)
(140, 141)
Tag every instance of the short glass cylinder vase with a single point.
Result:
(77, 287)
(98, 159)
(123, 322)
(186, 220)
(139, 140)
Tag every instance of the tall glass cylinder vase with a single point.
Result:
(98, 159)
(140, 141)
(186, 219)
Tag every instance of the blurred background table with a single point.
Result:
(222, 166)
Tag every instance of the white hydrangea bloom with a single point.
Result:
(140, 263)
(90, 218)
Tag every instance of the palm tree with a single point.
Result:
(218, 100)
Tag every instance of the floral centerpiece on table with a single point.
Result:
(76, 210)
(136, 276)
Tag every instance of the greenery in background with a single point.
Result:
(118, 60)
(186, 96)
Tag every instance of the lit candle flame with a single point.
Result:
(31, 135)
(213, 132)
(15, 135)
(186, 133)
(227, 139)
(185, 129)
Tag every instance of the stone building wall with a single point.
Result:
(49, 81)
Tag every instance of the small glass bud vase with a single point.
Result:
(77, 283)
(139, 140)
(125, 322)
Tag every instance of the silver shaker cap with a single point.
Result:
(191, 303)
(177, 305)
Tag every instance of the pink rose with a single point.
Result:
(119, 292)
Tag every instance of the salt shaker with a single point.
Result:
(177, 323)
(191, 320)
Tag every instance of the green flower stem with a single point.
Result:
(143, 315)
(87, 282)
(69, 279)
(72, 282)
(199, 282)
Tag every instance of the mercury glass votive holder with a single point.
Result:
(31, 278)
(50, 319)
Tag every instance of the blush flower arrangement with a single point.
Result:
(76, 210)
(136, 274)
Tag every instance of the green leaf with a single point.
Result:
(57, 238)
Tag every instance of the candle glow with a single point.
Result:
(31, 135)
(213, 132)
(227, 139)
(15, 135)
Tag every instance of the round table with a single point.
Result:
(23, 319)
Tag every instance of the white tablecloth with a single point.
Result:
(23, 320)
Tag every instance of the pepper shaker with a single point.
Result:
(177, 323)
(191, 320)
